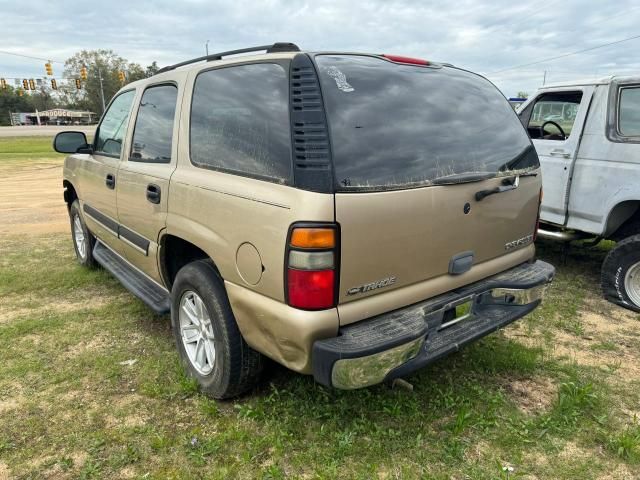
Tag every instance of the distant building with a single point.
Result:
(516, 102)
(56, 116)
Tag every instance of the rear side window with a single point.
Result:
(114, 125)
(240, 121)
(629, 112)
(398, 126)
(154, 125)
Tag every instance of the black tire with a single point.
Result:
(237, 367)
(624, 256)
(85, 259)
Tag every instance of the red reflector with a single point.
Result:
(408, 60)
(311, 290)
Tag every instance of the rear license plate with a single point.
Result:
(462, 311)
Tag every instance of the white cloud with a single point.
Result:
(484, 36)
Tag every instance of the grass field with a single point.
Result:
(90, 387)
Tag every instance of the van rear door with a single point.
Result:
(414, 150)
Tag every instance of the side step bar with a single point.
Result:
(156, 297)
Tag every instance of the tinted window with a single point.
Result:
(395, 126)
(629, 121)
(114, 125)
(553, 110)
(240, 121)
(154, 125)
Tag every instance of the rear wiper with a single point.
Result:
(508, 184)
(462, 178)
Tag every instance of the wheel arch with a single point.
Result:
(623, 220)
(70, 193)
(175, 253)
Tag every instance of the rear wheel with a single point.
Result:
(209, 342)
(83, 241)
(621, 274)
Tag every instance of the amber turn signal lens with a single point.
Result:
(313, 238)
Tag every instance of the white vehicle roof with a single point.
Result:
(592, 81)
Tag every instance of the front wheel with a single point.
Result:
(209, 342)
(83, 241)
(621, 274)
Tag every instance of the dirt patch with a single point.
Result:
(624, 362)
(31, 199)
(9, 313)
(477, 451)
(572, 451)
(93, 345)
(9, 404)
(620, 472)
(4, 471)
(531, 395)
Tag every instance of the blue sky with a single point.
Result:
(480, 35)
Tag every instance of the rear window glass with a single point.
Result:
(629, 122)
(397, 126)
(240, 121)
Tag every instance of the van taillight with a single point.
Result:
(535, 232)
(311, 260)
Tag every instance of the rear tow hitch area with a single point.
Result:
(390, 346)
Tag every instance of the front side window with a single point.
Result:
(553, 115)
(154, 125)
(114, 125)
(240, 121)
(629, 112)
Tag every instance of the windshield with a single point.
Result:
(399, 126)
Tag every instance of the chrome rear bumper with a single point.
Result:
(396, 343)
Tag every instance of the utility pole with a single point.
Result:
(206, 48)
(101, 90)
(544, 79)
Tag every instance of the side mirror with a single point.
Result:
(71, 142)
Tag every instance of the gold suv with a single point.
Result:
(351, 216)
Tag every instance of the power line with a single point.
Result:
(564, 55)
(29, 56)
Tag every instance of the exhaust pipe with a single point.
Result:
(562, 236)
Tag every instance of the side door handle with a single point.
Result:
(558, 152)
(110, 181)
(153, 193)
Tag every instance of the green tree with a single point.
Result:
(523, 95)
(103, 64)
(10, 101)
(152, 69)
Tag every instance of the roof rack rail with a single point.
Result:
(275, 48)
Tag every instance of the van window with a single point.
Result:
(154, 125)
(240, 121)
(553, 110)
(629, 112)
(399, 126)
(114, 125)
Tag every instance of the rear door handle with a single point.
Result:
(110, 181)
(153, 193)
(558, 152)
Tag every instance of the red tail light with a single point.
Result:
(407, 60)
(311, 290)
(311, 281)
(535, 232)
